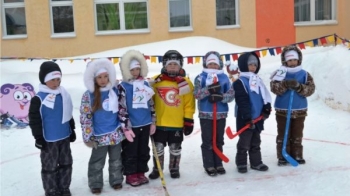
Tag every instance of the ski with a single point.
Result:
(161, 175)
(231, 135)
(285, 154)
(215, 148)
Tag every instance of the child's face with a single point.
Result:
(213, 66)
(172, 67)
(102, 80)
(292, 63)
(135, 72)
(54, 83)
(252, 68)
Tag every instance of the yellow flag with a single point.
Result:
(71, 60)
(310, 43)
(197, 59)
(264, 52)
(153, 59)
(115, 60)
(339, 41)
(330, 39)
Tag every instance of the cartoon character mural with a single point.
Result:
(15, 101)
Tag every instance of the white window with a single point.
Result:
(180, 15)
(62, 18)
(314, 11)
(226, 13)
(121, 16)
(13, 19)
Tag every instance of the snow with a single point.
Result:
(326, 133)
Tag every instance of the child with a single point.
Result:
(52, 124)
(252, 100)
(137, 117)
(174, 106)
(291, 76)
(100, 124)
(207, 92)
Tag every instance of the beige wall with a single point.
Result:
(40, 44)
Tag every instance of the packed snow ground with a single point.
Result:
(326, 134)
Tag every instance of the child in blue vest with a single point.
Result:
(209, 92)
(291, 76)
(52, 125)
(137, 117)
(252, 100)
(100, 124)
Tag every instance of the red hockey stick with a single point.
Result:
(231, 135)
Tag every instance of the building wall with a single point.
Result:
(254, 28)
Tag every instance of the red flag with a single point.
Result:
(301, 46)
(235, 57)
(189, 60)
(257, 53)
(146, 57)
(278, 50)
(323, 40)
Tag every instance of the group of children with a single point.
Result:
(118, 118)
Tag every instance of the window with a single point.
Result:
(13, 19)
(314, 11)
(226, 13)
(62, 18)
(121, 16)
(180, 14)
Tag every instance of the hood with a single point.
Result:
(125, 64)
(92, 67)
(243, 62)
(288, 48)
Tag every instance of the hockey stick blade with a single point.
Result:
(231, 135)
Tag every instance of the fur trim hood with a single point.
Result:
(125, 64)
(288, 48)
(92, 67)
(243, 62)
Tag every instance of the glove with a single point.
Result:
(188, 126)
(214, 88)
(40, 143)
(266, 110)
(152, 129)
(291, 84)
(129, 135)
(72, 136)
(251, 124)
(213, 98)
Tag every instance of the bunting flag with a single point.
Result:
(329, 39)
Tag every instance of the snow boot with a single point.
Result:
(65, 192)
(297, 150)
(220, 170)
(260, 167)
(96, 191)
(242, 169)
(174, 173)
(155, 173)
(142, 178)
(132, 180)
(211, 171)
(282, 162)
(53, 193)
(174, 160)
(117, 186)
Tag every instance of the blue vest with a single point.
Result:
(104, 121)
(204, 104)
(299, 102)
(137, 116)
(53, 129)
(256, 100)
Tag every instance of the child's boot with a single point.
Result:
(155, 172)
(132, 180)
(174, 160)
(281, 160)
(297, 150)
(142, 178)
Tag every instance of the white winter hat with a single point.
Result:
(212, 58)
(52, 75)
(102, 70)
(172, 61)
(134, 64)
(252, 60)
(291, 54)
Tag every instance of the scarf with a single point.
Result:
(182, 84)
(112, 98)
(212, 73)
(281, 72)
(50, 99)
(255, 84)
(141, 93)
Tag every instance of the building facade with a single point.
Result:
(65, 28)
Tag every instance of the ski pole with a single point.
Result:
(155, 154)
(231, 135)
(285, 154)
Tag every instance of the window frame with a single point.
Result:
(3, 16)
(237, 25)
(57, 4)
(123, 29)
(181, 29)
(313, 21)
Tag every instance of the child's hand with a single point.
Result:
(251, 124)
(40, 143)
(213, 98)
(291, 84)
(214, 88)
(152, 129)
(129, 135)
(188, 126)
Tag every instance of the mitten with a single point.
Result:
(266, 110)
(213, 98)
(214, 88)
(251, 124)
(188, 126)
(40, 143)
(129, 135)
(72, 136)
(152, 129)
(292, 84)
